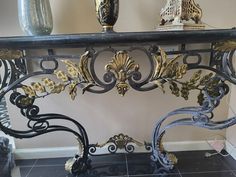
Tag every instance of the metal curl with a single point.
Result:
(104, 85)
(112, 148)
(129, 148)
(32, 111)
(227, 65)
(13, 97)
(135, 79)
(109, 77)
(92, 149)
(201, 117)
(40, 126)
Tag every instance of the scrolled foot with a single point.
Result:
(77, 165)
(167, 160)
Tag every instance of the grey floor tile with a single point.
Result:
(210, 174)
(48, 171)
(197, 162)
(141, 164)
(190, 164)
(104, 170)
(170, 175)
(24, 171)
(28, 163)
(110, 158)
(231, 163)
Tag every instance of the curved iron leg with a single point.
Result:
(166, 159)
(203, 121)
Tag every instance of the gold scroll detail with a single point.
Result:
(172, 157)
(7, 54)
(120, 141)
(167, 70)
(226, 46)
(171, 72)
(122, 66)
(76, 74)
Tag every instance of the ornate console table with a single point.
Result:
(122, 73)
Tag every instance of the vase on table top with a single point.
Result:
(35, 17)
(107, 12)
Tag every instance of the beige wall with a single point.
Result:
(230, 133)
(109, 114)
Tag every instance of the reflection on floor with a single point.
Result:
(191, 164)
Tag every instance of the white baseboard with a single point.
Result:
(70, 151)
(187, 146)
(40, 153)
(230, 149)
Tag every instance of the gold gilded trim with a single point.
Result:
(7, 54)
(171, 72)
(226, 46)
(122, 66)
(120, 141)
(76, 74)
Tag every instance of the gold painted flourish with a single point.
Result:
(120, 141)
(122, 66)
(225, 46)
(171, 72)
(7, 54)
(77, 74)
(166, 71)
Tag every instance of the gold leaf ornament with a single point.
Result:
(72, 68)
(7, 54)
(122, 66)
(226, 46)
(174, 89)
(167, 68)
(48, 83)
(29, 91)
(58, 88)
(200, 98)
(61, 75)
(181, 71)
(26, 101)
(196, 77)
(38, 87)
(84, 69)
(73, 90)
(80, 70)
(205, 79)
(185, 91)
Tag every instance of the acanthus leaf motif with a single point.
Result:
(122, 66)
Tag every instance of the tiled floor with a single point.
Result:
(191, 164)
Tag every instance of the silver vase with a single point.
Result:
(35, 17)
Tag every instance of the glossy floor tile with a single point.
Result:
(210, 174)
(190, 164)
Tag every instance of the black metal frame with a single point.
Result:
(220, 63)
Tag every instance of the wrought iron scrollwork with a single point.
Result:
(198, 116)
(213, 91)
(122, 72)
(120, 141)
